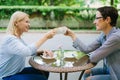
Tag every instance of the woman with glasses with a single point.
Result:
(106, 47)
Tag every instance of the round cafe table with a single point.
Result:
(70, 65)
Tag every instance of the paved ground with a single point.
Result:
(53, 43)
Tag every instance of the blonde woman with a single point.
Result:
(13, 50)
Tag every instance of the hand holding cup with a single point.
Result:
(61, 30)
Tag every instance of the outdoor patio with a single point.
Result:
(57, 40)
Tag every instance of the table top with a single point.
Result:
(69, 63)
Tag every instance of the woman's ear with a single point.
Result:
(15, 24)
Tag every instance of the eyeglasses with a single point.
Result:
(98, 17)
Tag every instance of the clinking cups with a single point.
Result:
(61, 30)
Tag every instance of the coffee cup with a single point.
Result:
(61, 30)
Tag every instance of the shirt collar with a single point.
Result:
(113, 30)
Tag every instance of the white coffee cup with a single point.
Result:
(61, 30)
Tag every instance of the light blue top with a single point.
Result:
(108, 50)
(12, 55)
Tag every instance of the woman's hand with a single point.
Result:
(45, 37)
(48, 53)
(40, 52)
(45, 53)
(50, 34)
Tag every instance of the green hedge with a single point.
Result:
(74, 17)
(6, 11)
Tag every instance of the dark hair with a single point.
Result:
(109, 11)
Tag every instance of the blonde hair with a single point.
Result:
(16, 17)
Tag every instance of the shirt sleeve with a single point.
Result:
(111, 45)
(78, 44)
(13, 45)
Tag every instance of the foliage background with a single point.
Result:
(47, 14)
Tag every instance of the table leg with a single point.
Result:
(60, 76)
(66, 74)
(81, 74)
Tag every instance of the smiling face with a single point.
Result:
(19, 23)
(100, 22)
(23, 25)
(106, 18)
